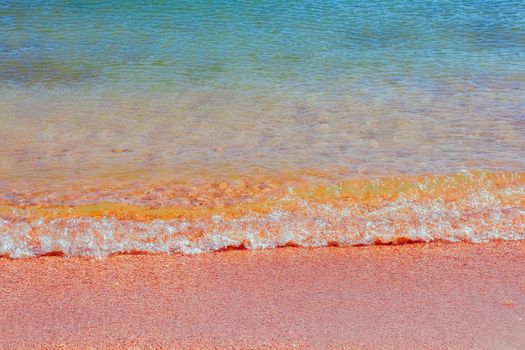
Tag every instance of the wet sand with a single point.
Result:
(418, 296)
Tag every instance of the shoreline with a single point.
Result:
(435, 295)
(264, 212)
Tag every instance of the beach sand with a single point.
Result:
(416, 296)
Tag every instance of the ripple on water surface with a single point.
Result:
(195, 126)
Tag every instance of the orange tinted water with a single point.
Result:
(96, 173)
(263, 211)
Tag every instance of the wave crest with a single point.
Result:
(469, 207)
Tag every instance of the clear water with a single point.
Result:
(116, 93)
(415, 86)
(298, 47)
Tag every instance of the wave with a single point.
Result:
(473, 206)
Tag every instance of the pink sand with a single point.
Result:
(435, 296)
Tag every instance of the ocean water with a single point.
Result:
(195, 126)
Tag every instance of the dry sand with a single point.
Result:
(416, 296)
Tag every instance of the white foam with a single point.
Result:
(479, 218)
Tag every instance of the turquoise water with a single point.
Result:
(296, 45)
(372, 87)
(193, 126)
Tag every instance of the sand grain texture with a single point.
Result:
(434, 296)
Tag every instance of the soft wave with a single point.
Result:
(469, 206)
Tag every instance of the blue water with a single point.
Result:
(381, 87)
(321, 46)
(228, 107)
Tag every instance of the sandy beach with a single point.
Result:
(262, 175)
(418, 296)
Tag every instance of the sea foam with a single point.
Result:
(470, 207)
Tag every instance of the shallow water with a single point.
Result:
(171, 99)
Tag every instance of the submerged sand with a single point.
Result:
(418, 296)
